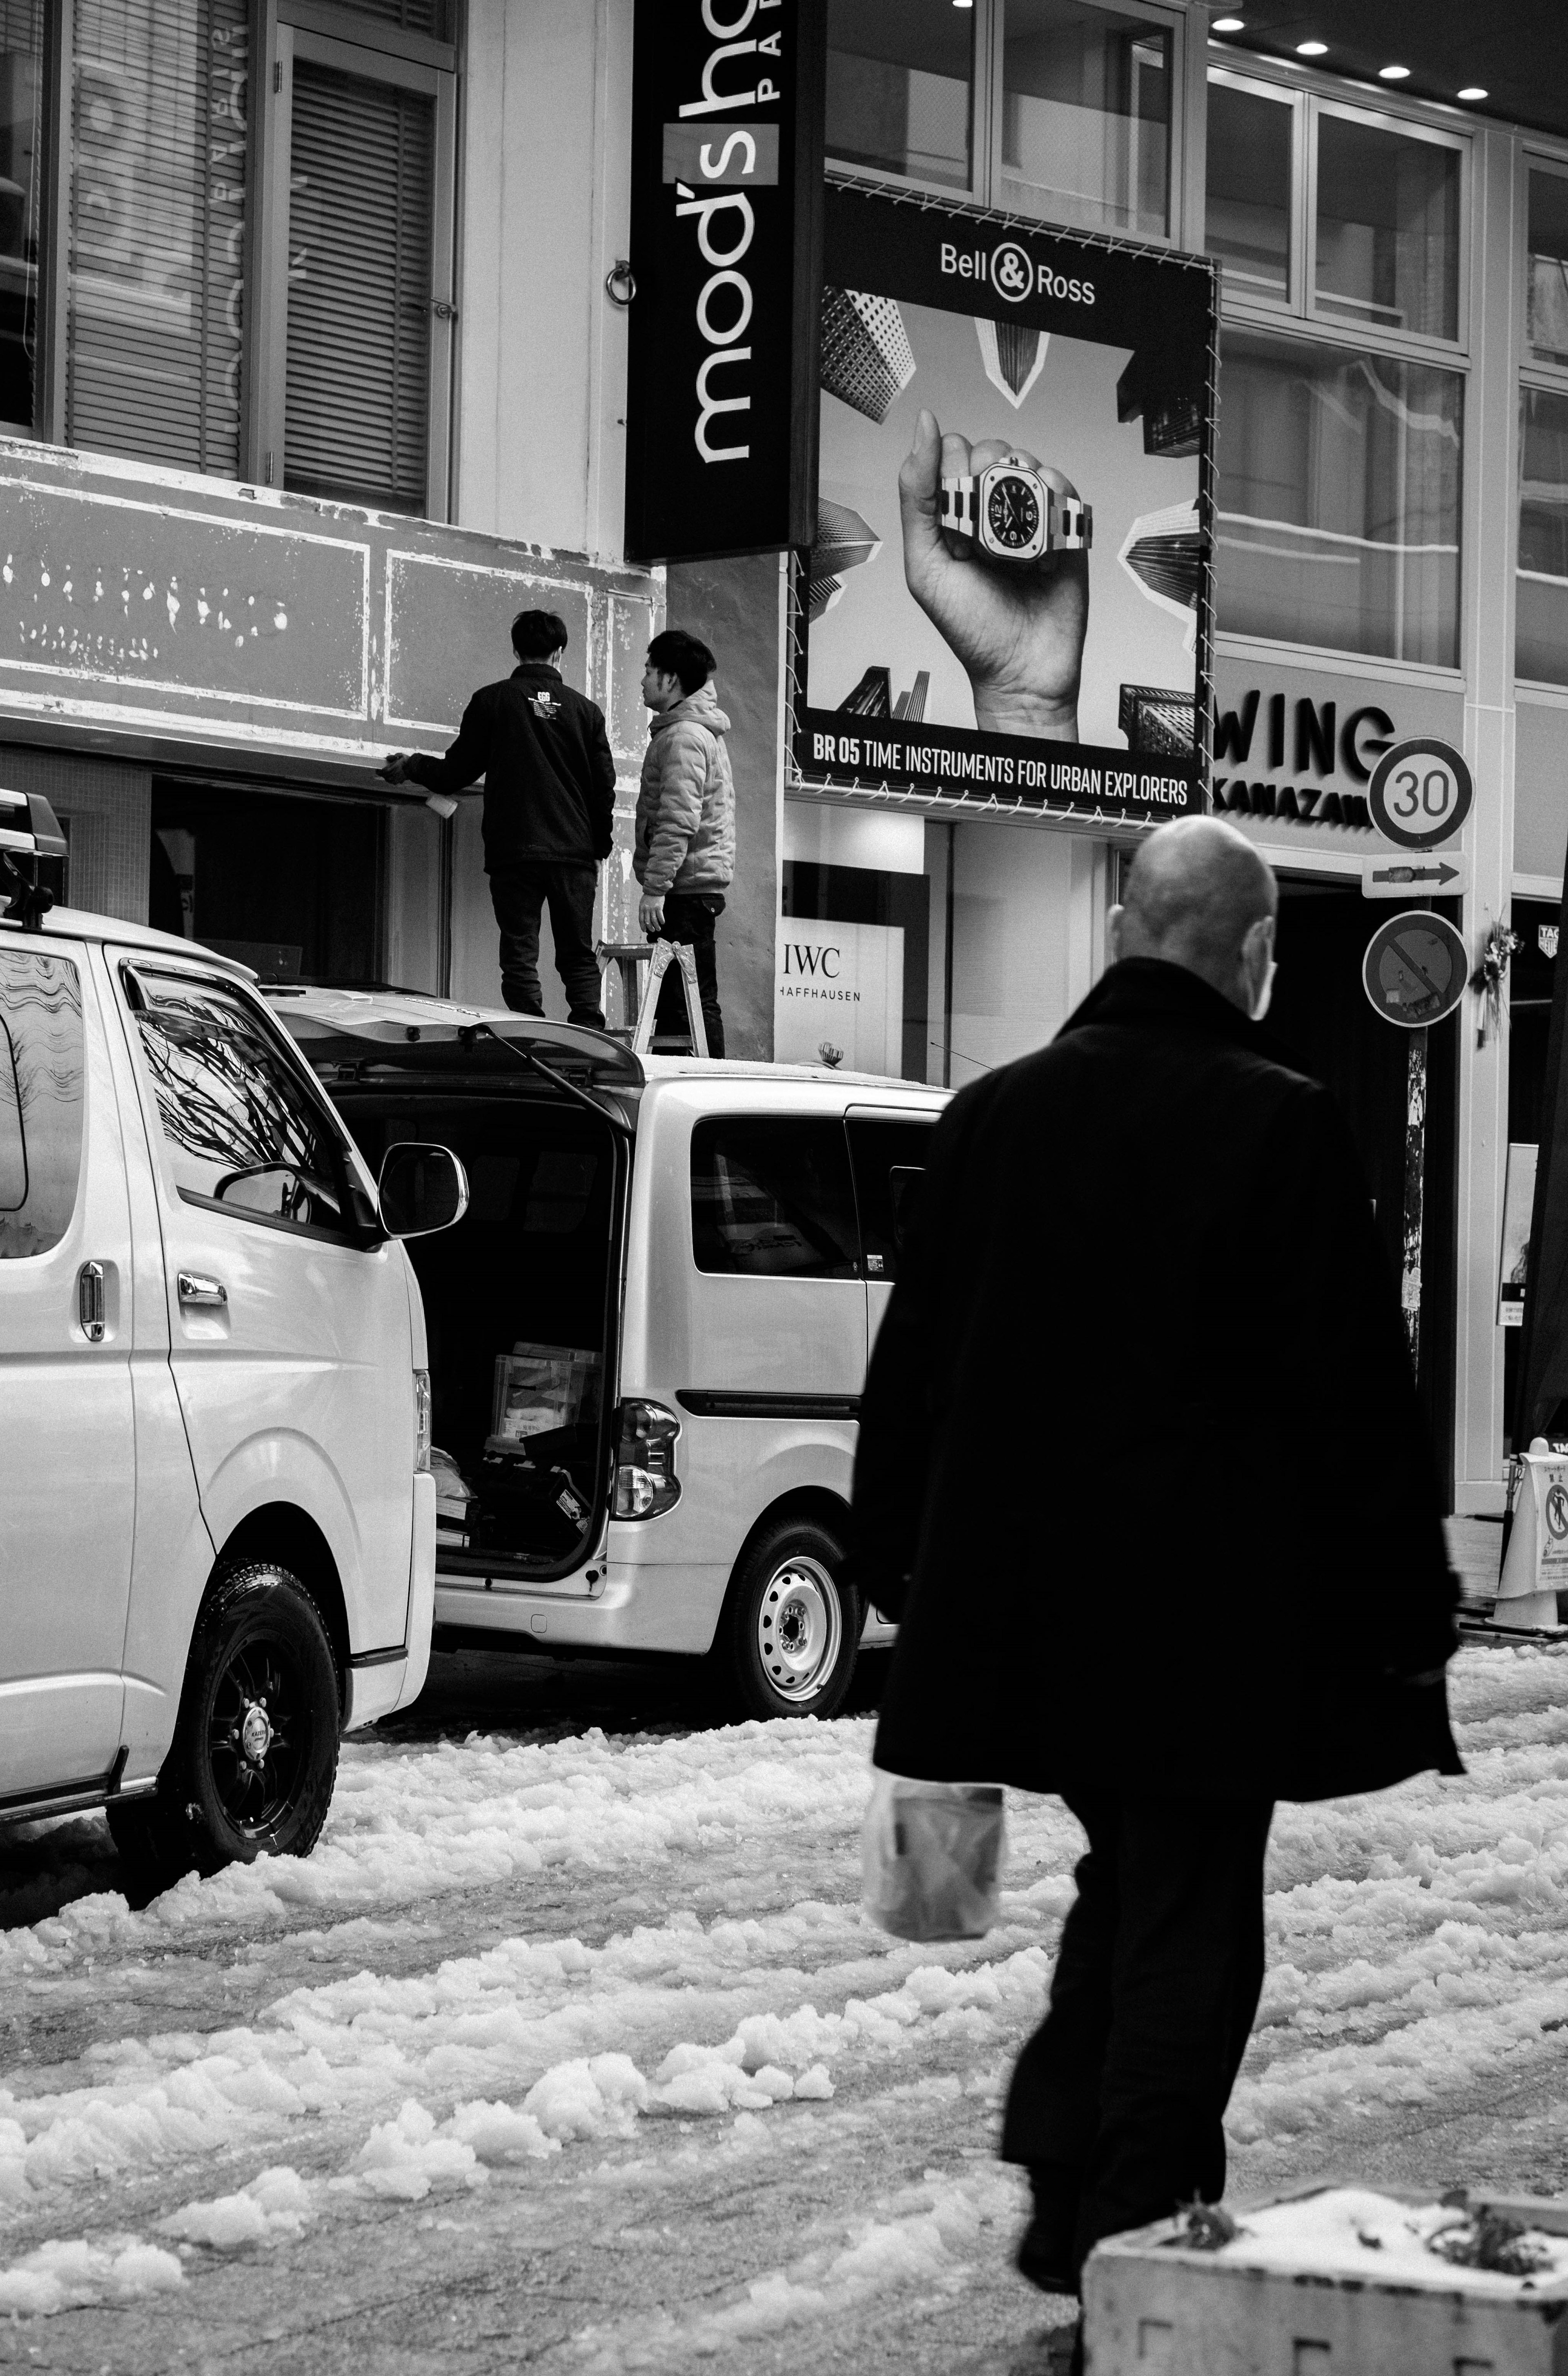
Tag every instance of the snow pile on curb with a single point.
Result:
(277, 2204)
(61, 2276)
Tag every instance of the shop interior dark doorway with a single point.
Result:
(1323, 1021)
(289, 884)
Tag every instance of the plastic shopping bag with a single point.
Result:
(931, 1857)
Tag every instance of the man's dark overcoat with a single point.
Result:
(1141, 1471)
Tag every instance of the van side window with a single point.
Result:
(772, 1199)
(889, 1159)
(242, 1133)
(43, 1086)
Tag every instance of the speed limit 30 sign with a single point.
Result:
(1421, 793)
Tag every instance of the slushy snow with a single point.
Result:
(525, 1976)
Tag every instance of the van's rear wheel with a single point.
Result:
(791, 1628)
(255, 1754)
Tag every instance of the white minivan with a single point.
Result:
(217, 1514)
(648, 1335)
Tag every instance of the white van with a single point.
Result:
(648, 1334)
(217, 1514)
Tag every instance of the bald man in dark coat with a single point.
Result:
(1142, 1477)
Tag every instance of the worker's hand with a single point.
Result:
(650, 914)
(395, 770)
(1017, 627)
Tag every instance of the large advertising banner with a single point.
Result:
(1007, 599)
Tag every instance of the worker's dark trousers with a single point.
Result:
(518, 893)
(1117, 2101)
(691, 915)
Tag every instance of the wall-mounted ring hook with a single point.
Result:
(619, 284)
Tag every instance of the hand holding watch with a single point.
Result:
(1014, 513)
(996, 553)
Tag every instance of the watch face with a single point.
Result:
(1013, 514)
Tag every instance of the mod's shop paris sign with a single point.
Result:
(1007, 600)
(838, 995)
(726, 210)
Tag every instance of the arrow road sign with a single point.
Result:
(1415, 970)
(1413, 878)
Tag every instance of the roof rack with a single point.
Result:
(28, 830)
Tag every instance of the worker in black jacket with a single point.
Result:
(548, 805)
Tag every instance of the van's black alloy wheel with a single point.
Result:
(790, 1630)
(256, 1748)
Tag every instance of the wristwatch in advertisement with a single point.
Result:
(1013, 514)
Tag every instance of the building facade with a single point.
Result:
(313, 371)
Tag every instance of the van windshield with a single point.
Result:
(517, 1311)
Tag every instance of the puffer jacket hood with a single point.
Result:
(685, 824)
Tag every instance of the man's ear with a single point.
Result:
(1113, 933)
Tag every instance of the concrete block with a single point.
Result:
(1156, 2305)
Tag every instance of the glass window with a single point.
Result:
(156, 294)
(1248, 189)
(900, 87)
(889, 1160)
(43, 1082)
(22, 80)
(241, 1130)
(1540, 629)
(1387, 228)
(773, 1199)
(1338, 510)
(1086, 116)
(1547, 329)
(361, 207)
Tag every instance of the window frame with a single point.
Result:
(329, 34)
(1300, 307)
(1534, 377)
(1170, 20)
(415, 63)
(883, 177)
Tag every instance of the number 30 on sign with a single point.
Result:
(1420, 794)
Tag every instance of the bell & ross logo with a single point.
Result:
(725, 223)
(1012, 273)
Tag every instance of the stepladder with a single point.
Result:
(642, 1003)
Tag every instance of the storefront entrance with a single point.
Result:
(1322, 1021)
(299, 886)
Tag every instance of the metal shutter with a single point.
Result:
(360, 216)
(157, 229)
(413, 15)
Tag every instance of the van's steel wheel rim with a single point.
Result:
(800, 1628)
(258, 1735)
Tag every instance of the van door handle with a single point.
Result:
(202, 1294)
(90, 1302)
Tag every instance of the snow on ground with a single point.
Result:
(573, 2052)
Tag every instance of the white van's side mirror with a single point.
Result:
(421, 1189)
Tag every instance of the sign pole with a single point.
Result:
(1414, 1188)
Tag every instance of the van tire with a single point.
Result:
(255, 1754)
(791, 1630)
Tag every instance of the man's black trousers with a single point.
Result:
(1117, 2100)
(519, 893)
(691, 915)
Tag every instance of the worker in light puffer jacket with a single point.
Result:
(685, 853)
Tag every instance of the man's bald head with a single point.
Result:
(1199, 895)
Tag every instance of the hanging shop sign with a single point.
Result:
(1304, 743)
(1415, 970)
(1006, 602)
(726, 210)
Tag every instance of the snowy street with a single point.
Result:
(571, 2050)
